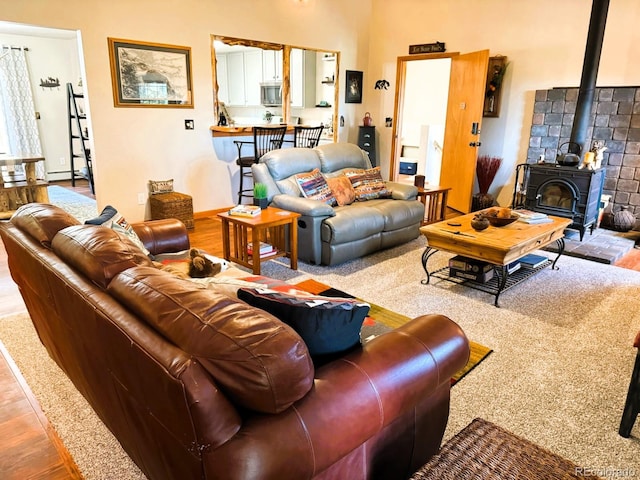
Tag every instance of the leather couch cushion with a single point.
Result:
(42, 221)
(255, 358)
(352, 222)
(328, 325)
(285, 162)
(398, 214)
(97, 252)
(338, 156)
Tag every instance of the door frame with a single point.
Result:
(401, 73)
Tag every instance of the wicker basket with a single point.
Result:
(172, 205)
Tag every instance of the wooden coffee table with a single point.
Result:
(498, 246)
(269, 226)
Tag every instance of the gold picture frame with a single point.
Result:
(147, 74)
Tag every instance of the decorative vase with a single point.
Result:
(480, 201)
(479, 222)
(623, 219)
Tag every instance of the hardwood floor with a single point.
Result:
(29, 447)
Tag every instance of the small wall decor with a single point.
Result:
(437, 47)
(50, 82)
(382, 84)
(493, 94)
(353, 90)
(150, 74)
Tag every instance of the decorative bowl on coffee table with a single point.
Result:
(501, 222)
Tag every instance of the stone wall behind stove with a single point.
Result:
(615, 118)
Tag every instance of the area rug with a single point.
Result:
(486, 451)
(80, 206)
(381, 320)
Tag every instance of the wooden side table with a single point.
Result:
(270, 227)
(434, 198)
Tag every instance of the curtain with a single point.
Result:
(18, 107)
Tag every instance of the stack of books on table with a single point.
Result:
(245, 211)
(529, 216)
(532, 260)
(463, 267)
(266, 249)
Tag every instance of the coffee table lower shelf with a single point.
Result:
(492, 286)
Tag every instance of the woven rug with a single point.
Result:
(381, 320)
(81, 207)
(486, 451)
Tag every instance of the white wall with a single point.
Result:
(133, 145)
(544, 41)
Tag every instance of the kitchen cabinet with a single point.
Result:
(239, 77)
(235, 78)
(303, 78)
(252, 76)
(223, 80)
(272, 65)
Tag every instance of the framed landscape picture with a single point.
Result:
(353, 90)
(150, 74)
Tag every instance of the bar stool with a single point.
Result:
(306, 137)
(265, 139)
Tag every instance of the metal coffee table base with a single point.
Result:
(501, 281)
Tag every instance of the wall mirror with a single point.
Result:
(259, 83)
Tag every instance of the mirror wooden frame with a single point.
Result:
(286, 79)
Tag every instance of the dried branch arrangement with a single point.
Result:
(486, 170)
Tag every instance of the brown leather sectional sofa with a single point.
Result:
(196, 384)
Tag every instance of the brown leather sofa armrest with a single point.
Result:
(163, 236)
(395, 376)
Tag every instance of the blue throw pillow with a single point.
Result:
(328, 325)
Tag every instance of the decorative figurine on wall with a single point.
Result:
(382, 84)
(50, 82)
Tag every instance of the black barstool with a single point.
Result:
(265, 139)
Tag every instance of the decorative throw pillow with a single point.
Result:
(111, 218)
(368, 184)
(160, 186)
(342, 189)
(313, 185)
(328, 325)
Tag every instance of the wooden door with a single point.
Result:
(462, 131)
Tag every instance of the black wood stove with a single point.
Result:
(566, 192)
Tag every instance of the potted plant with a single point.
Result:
(486, 170)
(260, 195)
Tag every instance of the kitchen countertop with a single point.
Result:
(239, 130)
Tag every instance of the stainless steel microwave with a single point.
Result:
(271, 94)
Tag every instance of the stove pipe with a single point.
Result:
(586, 93)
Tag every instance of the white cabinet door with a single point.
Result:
(252, 76)
(223, 78)
(235, 70)
(272, 65)
(303, 78)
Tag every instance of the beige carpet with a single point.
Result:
(558, 375)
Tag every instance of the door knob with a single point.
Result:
(475, 144)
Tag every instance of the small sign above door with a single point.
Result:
(437, 47)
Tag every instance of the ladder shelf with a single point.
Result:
(78, 140)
